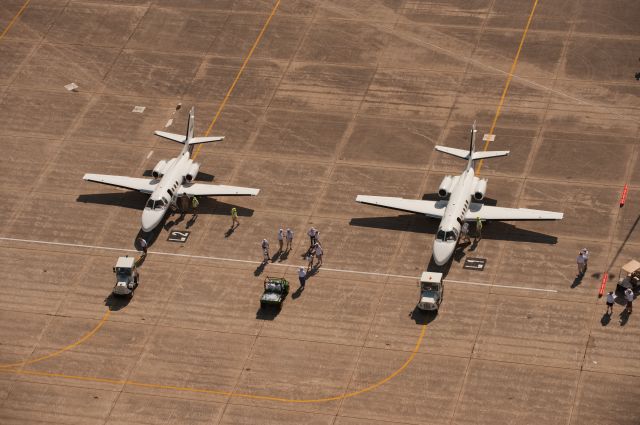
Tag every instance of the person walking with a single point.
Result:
(312, 237)
(585, 255)
(280, 239)
(143, 245)
(309, 258)
(464, 230)
(610, 299)
(478, 228)
(580, 262)
(265, 250)
(234, 218)
(628, 294)
(302, 275)
(318, 252)
(289, 236)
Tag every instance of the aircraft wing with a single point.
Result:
(486, 212)
(433, 209)
(134, 183)
(201, 189)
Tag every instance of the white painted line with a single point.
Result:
(235, 260)
(500, 286)
(150, 153)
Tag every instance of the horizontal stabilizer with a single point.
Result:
(433, 209)
(198, 140)
(171, 136)
(460, 153)
(464, 154)
(489, 154)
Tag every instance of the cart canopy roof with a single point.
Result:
(125, 262)
(631, 266)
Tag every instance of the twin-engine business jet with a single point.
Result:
(461, 190)
(172, 179)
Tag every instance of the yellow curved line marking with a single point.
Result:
(240, 71)
(14, 19)
(508, 83)
(230, 393)
(62, 350)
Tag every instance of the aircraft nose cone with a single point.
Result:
(150, 219)
(442, 252)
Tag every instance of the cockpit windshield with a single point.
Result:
(149, 204)
(159, 204)
(447, 235)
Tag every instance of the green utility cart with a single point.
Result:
(275, 291)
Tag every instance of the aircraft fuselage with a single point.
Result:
(449, 230)
(166, 191)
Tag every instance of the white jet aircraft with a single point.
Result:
(172, 179)
(459, 208)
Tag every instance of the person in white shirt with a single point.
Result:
(318, 250)
(289, 236)
(312, 236)
(581, 266)
(280, 239)
(585, 255)
(465, 233)
(302, 275)
(628, 294)
(610, 299)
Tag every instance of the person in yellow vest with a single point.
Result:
(234, 218)
(194, 203)
(478, 228)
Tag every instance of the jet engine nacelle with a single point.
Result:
(158, 170)
(193, 172)
(445, 187)
(480, 190)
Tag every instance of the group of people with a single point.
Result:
(282, 236)
(313, 254)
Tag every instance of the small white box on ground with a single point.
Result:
(138, 109)
(71, 87)
(489, 137)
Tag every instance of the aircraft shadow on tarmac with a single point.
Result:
(137, 200)
(494, 230)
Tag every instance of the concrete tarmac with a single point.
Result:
(338, 98)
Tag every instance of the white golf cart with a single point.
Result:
(126, 276)
(431, 291)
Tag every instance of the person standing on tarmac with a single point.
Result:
(478, 228)
(280, 239)
(194, 203)
(289, 236)
(234, 218)
(265, 251)
(302, 275)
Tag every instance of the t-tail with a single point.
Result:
(188, 141)
(471, 155)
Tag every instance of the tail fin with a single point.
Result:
(188, 140)
(471, 155)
